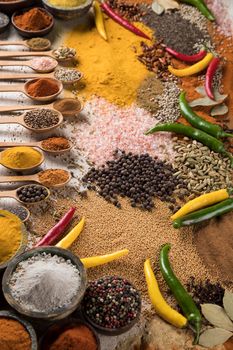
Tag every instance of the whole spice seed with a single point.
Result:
(176, 32)
(55, 144)
(139, 177)
(132, 12)
(19, 211)
(53, 177)
(67, 75)
(14, 335)
(41, 118)
(115, 294)
(38, 44)
(45, 283)
(148, 92)
(32, 193)
(64, 52)
(44, 64)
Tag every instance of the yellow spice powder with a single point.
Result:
(111, 69)
(67, 3)
(20, 157)
(10, 235)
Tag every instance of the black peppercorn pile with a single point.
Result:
(138, 177)
(112, 302)
(206, 292)
(32, 193)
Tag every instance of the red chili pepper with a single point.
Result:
(213, 66)
(57, 230)
(109, 11)
(180, 56)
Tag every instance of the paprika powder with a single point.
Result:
(42, 87)
(33, 20)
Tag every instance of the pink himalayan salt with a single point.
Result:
(112, 128)
(44, 64)
(221, 14)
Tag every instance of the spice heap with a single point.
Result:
(10, 236)
(41, 118)
(200, 168)
(115, 294)
(43, 64)
(18, 210)
(55, 144)
(64, 53)
(45, 283)
(54, 177)
(38, 44)
(13, 335)
(148, 92)
(68, 106)
(72, 338)
(20, 157)
(132, 12)
(33, 20)
(32, 193)
(42, 87)
(67, 75)
(66, 3)
(139, 177)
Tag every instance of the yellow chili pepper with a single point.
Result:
(195, 68)
(200, 202)
(99, 20)
(103, 259)
(161, 307)
(71, 236)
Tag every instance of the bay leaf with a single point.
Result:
(217, 316)
(218, 96)
(206, 101)
(157, 8)
(214, 336)
(228, 303)
(219, 110)
(168, 4)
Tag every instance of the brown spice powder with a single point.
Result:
(56, 144)
(13, 335)
(52, 177)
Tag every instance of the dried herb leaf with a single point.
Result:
(218, 96)
(214, 336)
(157, 8)
(228, 303)
(168, 4)
(206, 101)
(217, 316)
(219, 110)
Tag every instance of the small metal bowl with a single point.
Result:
(56, 329)
(68, 13)
(25, 324)
(31, 33)
(21, 249)
(59, 313)
(4, 27)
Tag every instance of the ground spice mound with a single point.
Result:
(110, 68)
(148, 92)
(33, 20)
(51, 177)
(55, 144)
(13, 335)
(42, 87)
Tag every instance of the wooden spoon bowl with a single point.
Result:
(26, 168)
(14, 194)
(45, 98)
(38, 144)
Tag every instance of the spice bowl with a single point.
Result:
(53, 332)
(15, 5)
(42, 158)
(28, 327)
(36, 253)
(68, 13)
(44, 98)
(32, 33)
(5, 21)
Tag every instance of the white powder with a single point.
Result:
(45, 283)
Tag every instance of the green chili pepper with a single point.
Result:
(201, 6)
(182, 297)
(204, 214)
(198, 122)
(199, 135)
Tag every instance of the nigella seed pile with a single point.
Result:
(138, 177)
(41, 118)
(112, 302)
(32, 193)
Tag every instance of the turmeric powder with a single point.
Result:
(11, 235)
(111, 68)
(20, 157)
(66, 3)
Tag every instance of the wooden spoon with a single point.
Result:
(20, 120)
(38, 144)
(9, 207)
(23, 43)
(7, 54)
(23, 88)
(27, 63)
(13, 194)
(15, 76)
(30, 178)
(24, 169)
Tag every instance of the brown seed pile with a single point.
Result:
(156, 59)
(133, 12)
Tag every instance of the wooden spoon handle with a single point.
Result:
(17, 144)
(4, 43)
(4, 179)
(5, 54)
(8, 194)
(12, 88)
(11, 120)
(23, 108)
(15, 63)
(7, 76)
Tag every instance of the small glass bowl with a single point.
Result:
(20, 250)
(26, 324)
(56, 314)
(54, 330)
